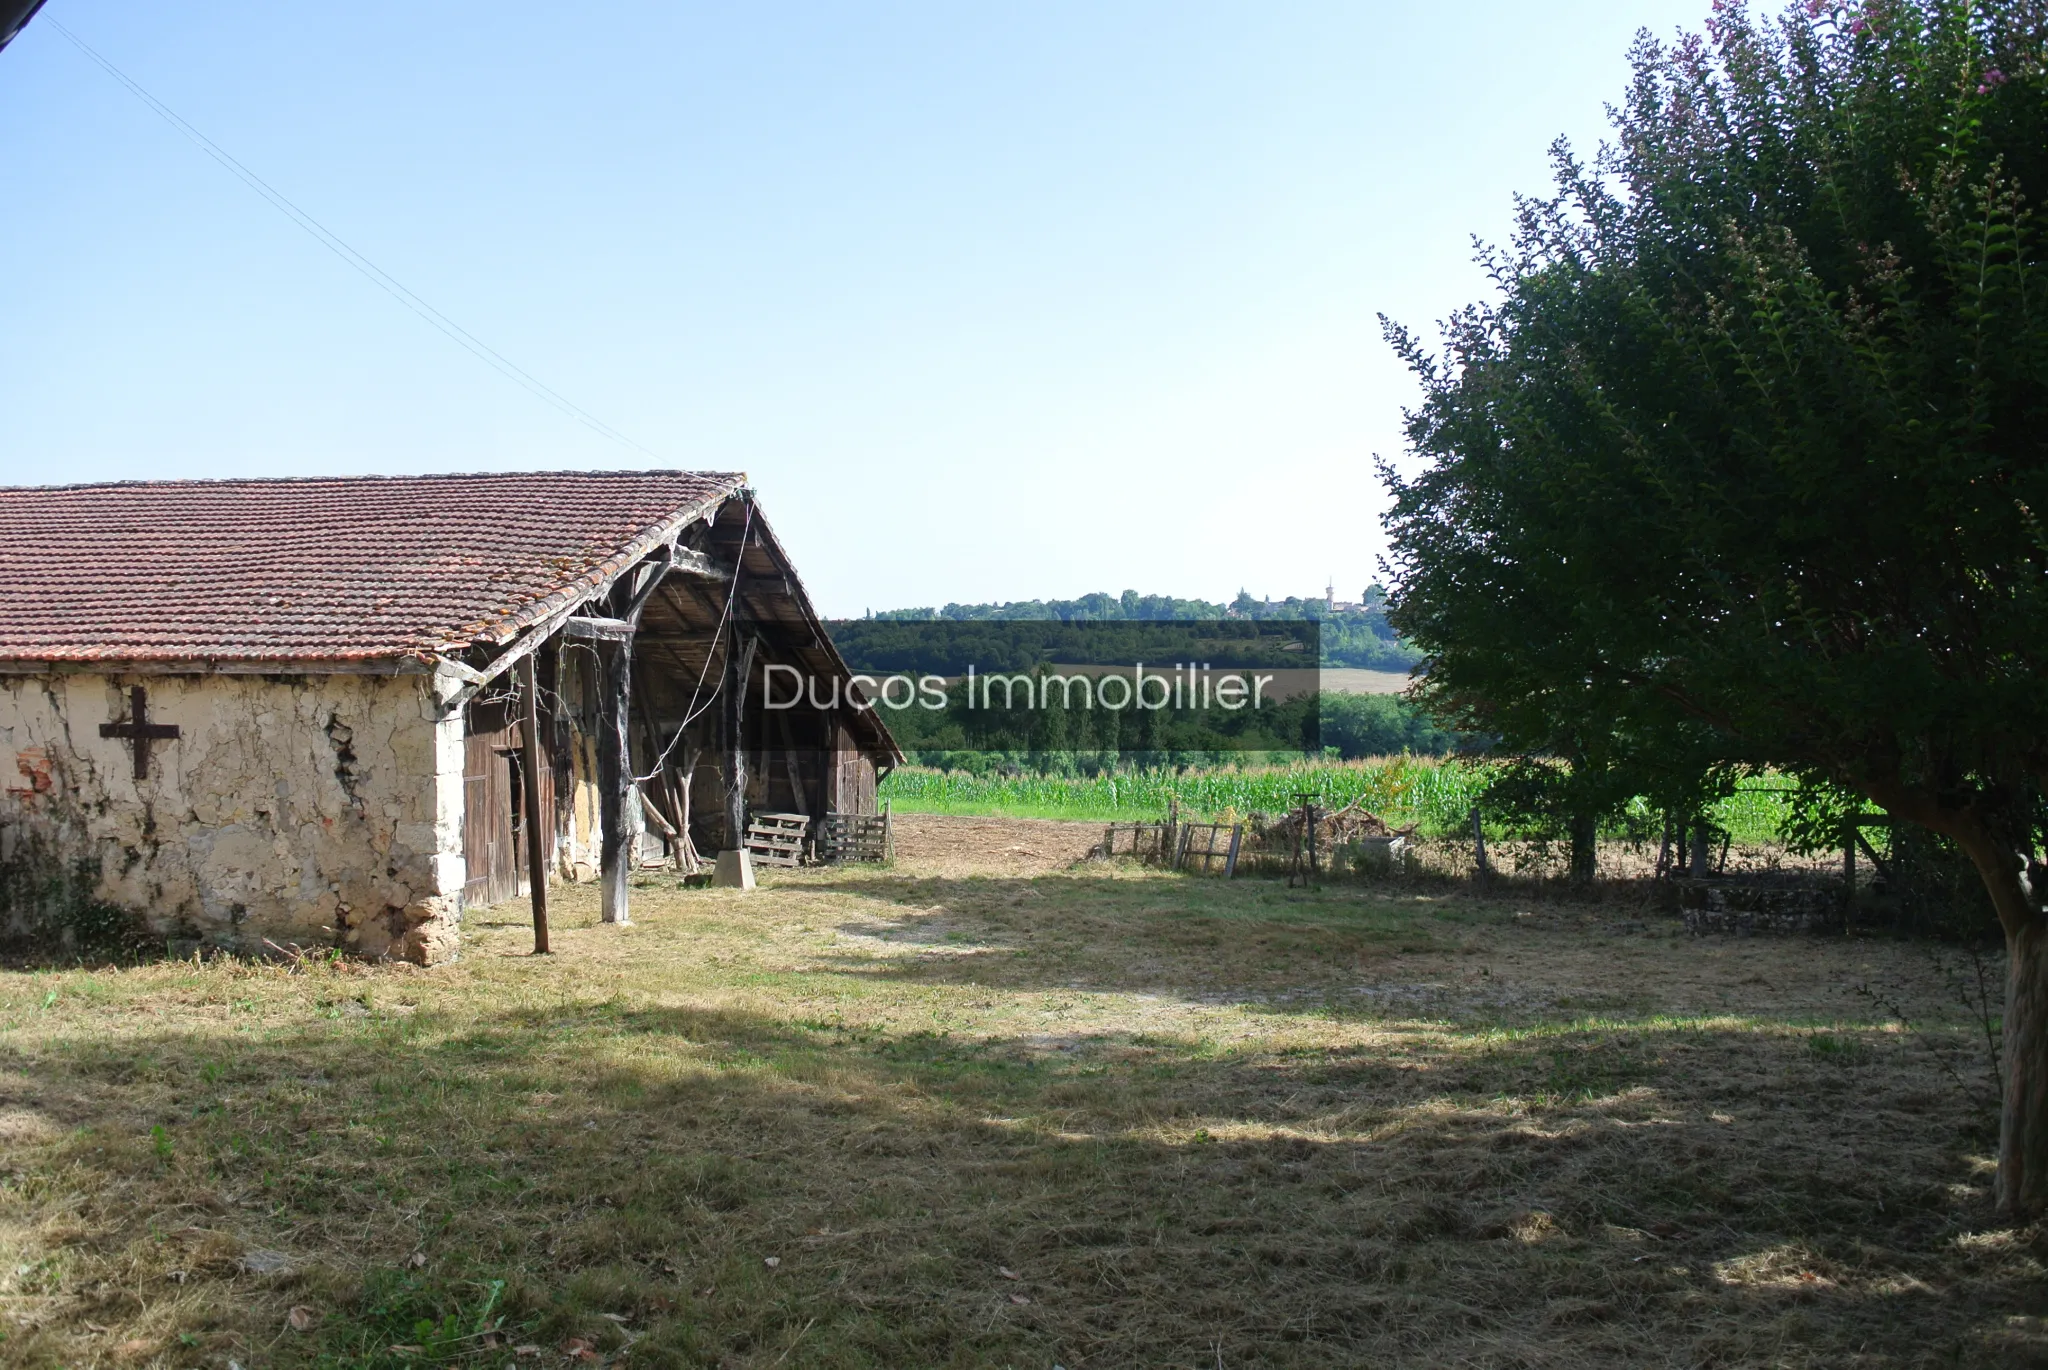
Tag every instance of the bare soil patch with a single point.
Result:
(995, 847)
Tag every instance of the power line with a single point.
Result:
(377, 275)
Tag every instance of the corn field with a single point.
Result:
(1436, 794)
(1406, 789)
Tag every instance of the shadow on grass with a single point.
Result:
(1255, 943)
(722, 1188)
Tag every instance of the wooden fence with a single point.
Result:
(1211, 848)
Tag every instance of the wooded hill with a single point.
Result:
(1357, 636)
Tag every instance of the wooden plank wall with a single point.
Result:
(853, 776)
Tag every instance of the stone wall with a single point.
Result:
(1748, 906)
(306, 810)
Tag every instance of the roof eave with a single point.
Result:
(401, 663)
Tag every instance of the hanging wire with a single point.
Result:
(377, 275)
(694, 711)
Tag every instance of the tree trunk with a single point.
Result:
(2023, 1111)
(1585, 848)
(2023, 1115)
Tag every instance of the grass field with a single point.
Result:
(1436, 794)
(988, 1108)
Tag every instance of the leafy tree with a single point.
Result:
(1548, 798)
(1750, 454)
(1378, 725)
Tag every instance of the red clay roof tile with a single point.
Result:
(322, 569)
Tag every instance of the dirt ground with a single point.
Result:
(996, 1105)
(996, 847)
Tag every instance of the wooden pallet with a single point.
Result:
(856, 837)
(777, 839)
(1203, 846)
(1208, 847)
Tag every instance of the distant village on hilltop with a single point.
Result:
(1372, 604)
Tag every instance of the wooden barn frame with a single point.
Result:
(649, 726)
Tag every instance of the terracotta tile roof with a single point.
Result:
(323, 569)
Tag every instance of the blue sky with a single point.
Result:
(993, 302)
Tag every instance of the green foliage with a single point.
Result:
(1057, 740)
(1936, 889)
(1360, 637)
(1358, 726)
(1743, 467)
(1548, 800)
(407, 1318)
(1818, 811)
(1062, 735)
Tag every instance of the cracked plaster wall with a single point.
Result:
(306, 810)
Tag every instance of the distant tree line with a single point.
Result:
(1059, 740)
(1359, 636)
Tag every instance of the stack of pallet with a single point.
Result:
(777, 839)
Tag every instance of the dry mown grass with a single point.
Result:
(1039, 1116)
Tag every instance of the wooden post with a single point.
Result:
(1702, 849)
(1849, 859)
(739, 664)
(1479, 845)
(1310, 810)
(615, 778)
(556, 670)
(529, 774)
(1230, 863)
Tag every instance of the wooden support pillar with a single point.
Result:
(828, 783)
(615, 777)
(739, 664)
(555, 672)
(537, 840)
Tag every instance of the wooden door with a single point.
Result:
(489, 845)
(853, 775)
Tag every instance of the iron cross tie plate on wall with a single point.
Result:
(139, 731)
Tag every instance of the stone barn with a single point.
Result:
(324, 712)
